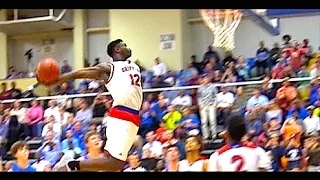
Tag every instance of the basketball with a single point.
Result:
(48, 70)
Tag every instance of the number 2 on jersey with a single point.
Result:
(239, 160)
(135, 79)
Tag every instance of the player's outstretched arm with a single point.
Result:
(99, 72)
(96, 73)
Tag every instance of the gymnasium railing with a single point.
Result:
(162, 89)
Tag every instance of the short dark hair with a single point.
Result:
(236, 127)
(287, 36)
(173, 146)
(112, 45)
(17, 146)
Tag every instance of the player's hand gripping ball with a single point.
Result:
(48, 72)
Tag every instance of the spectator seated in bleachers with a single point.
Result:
(52, 125)
(79, 133)
(84, 114)
(68, 126)
(50, 150)
(15, 131)
(134, 163)
(190, 121)
(21, 112)
(154, 146)
(71, 144)
(183, 100)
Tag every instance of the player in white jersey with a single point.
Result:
(194, 162)
(237, 156)
(123, 80)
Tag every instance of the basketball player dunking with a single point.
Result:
(123, 80)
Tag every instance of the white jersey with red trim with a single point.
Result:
(124, 84)
(123, 120)
(239, 158)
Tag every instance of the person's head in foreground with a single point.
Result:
(193, 144)
(20, 151)
(93, 143)
(236, 129)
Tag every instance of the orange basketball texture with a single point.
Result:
(48, 70)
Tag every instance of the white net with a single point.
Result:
(223, 24)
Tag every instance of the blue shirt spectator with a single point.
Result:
(257, 100)
(78, 133)
(148, 119)
(50, 152)
(254, 127)
(3, 128)
(314, 95)
(16, 168)
(189, 121)
(70, 137)
(186, 75)
(160, 109)
(302, 113)
(84, 115)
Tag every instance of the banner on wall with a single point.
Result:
(167, 42)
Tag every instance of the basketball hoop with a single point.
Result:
(223, 30)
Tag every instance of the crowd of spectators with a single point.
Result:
(282, 118)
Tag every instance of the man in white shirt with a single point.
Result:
(154, 146)
(312, 123)
(225, 100)
(52, 125)
(19, 111)
(183, 100)
(134, 164)
(159, 69)
(51, 110)
(62, 116)
(315, 72)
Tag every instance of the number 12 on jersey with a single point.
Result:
(135, 79)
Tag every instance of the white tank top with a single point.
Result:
(195, 167)
(124, 84)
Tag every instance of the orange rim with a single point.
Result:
(220, 13)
